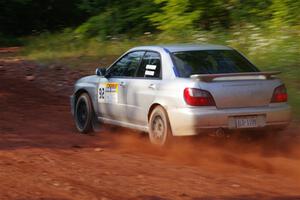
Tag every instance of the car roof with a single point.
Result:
(182, 47)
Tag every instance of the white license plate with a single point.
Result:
(246, 122)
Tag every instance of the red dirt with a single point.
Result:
(43, 157)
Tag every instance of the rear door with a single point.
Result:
(142, 90)
(112, 91)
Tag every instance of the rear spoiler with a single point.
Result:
(210, 77)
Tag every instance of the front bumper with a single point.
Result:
(194, 120)
(72, 104)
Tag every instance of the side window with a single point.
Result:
(127, 65)
(150, 66)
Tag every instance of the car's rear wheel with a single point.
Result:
(84, 114)
(159, 127)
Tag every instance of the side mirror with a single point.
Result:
(100, 71)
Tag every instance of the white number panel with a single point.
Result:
(108, 92)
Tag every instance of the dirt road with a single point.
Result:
(43, 158)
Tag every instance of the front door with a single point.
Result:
(112, 91)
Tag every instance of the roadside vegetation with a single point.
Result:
(94, 32)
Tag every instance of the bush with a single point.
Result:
(6, 41)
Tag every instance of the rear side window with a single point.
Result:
(150, 65)
(127, 65)
(211, 62)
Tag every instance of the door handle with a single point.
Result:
(122, 83)
(152, 86)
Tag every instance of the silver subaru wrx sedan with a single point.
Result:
(181, 90)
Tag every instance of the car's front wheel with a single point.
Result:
(159, 127)
(84, 114)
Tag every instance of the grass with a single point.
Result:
(269, 50)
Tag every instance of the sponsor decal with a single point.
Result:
(151, 67)
(108, 92)
(149, 73)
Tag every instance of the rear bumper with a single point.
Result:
(194, 120)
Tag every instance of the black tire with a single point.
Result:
(84, 114)
(159, 127)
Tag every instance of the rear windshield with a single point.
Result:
(211, 62)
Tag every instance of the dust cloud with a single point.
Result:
(269, 153)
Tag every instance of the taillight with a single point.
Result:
(279, 95)
(197, 97)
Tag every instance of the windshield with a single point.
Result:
(211, 62)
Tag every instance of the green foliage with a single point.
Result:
(214, 14)
(25, 17)
(280, 12)
(175, 16)
(99, 25)
(106, 19)
(6, 40)
(93, 7)
(120, 18)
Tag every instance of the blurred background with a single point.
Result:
(85, 33)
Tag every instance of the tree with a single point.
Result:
(23, 17)
(120, 17)
(175, 16)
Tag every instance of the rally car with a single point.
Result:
(181, 90)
